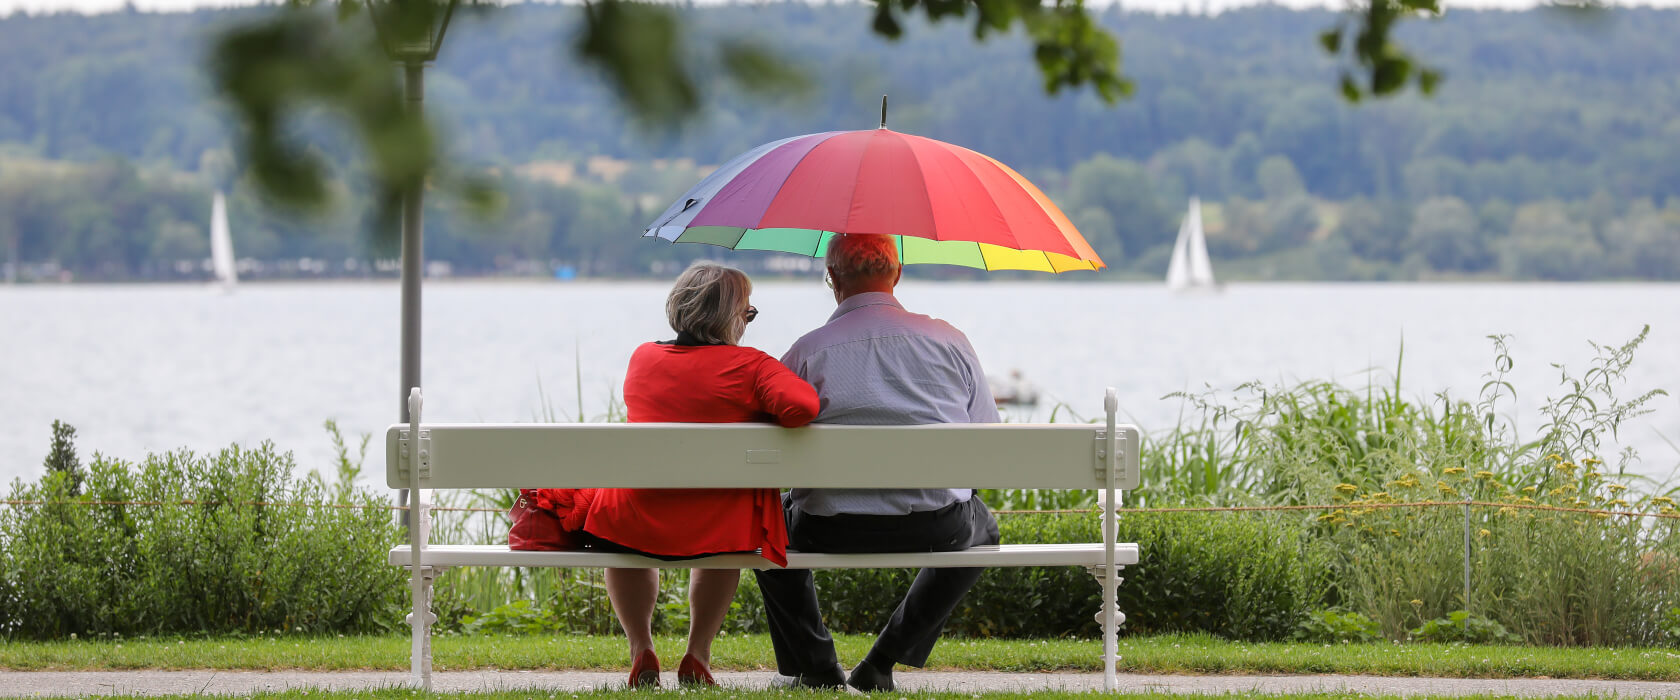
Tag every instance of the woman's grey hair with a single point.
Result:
(854, 256)
(706, 303)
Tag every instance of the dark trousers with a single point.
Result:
(802, 642)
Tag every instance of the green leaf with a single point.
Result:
(1350, 89)
(640, 48)
(1428, 79)
(1331, 40)
(761, 70)
(1389, 75)
(885, 23)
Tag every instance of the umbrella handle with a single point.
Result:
(883, 111)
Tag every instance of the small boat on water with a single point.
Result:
(1190, 268)
(1013, 390)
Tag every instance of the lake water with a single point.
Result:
(149, 368)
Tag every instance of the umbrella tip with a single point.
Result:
(883, 111)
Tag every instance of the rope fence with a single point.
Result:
(1064, 511)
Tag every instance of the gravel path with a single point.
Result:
(94, 683)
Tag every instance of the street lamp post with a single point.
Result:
(411, 32)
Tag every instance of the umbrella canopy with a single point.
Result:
(944, 203)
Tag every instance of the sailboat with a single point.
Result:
(1190, 269)
(221, 245)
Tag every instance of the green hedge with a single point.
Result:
(219, 566)
(1234, 576)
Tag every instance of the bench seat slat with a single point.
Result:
(997, 555)
(748, 455)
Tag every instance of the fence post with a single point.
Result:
(1467, 553)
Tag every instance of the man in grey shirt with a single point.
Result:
(874, 363)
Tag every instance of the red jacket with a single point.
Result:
(702, 384)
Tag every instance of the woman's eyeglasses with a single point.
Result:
(750, 314)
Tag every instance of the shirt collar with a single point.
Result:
(858, 301)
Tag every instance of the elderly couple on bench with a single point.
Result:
(872, 363)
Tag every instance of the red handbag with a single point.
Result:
(537, 527)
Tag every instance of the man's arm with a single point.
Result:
(981, 407)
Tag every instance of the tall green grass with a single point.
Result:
(1550, 577)
(1558, 578)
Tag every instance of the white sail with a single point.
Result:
(221, 244)
(1178, 268)
(1201, 269)
(1190, 267)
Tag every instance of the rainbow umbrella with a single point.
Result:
(945, 204)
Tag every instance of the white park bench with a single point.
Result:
(732, 455)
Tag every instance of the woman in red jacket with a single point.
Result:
(703, 376)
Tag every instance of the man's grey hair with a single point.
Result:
(706, 303)
(855, 256)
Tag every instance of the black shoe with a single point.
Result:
(869, 679)
(833, 679)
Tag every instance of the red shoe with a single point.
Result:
(645, 672)
(692, 672)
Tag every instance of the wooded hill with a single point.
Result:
(1552, 150)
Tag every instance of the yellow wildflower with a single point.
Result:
(1417, 603)
(1599, 516)
(1616, 488)
(1445, 489)
(1561, 490)
(1591, 461)
(1667, 510)
(1529, 490)
(1484, 532)
(1379, 495)
(1484, 475)
(1555, 457)
(1396, 533)
(1525, 499)
(1566, 466)
(1617, 502)
(1592, 474)
(1453, 470)
(1663, 499)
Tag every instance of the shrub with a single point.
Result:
(1671, 626)
(1329, 626)
(1462, 627)
(1234, 577)
(231, 560)
(61, 456)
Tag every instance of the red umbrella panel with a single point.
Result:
(944, 203)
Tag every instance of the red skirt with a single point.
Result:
(678, 522)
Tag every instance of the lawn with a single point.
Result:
(737, 694)
(1181, 654)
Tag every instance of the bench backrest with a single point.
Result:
(700, 455)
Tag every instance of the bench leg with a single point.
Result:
(1110, 618)
(420, 621)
